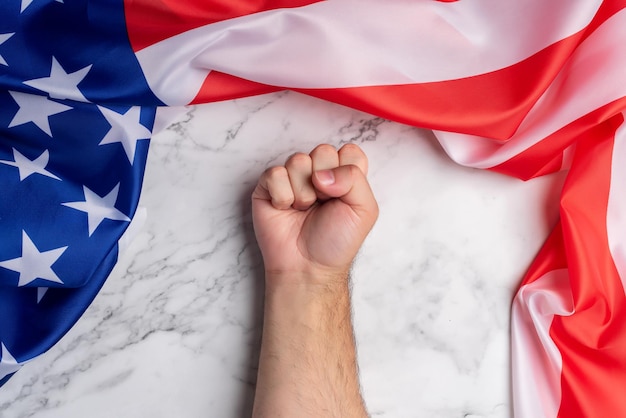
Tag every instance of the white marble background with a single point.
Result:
(175, 331)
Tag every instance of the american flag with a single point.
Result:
(72, 154)
(523, 88)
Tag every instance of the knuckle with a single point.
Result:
(323, 149)
(353, 151)
(351, 148)
(297, 160)
(353, 154)
(276, 171)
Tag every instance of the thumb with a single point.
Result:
(348, 184)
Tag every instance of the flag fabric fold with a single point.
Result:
(524, 89)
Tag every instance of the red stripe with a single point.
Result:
(490, 105)
(607, 9)
(536, 379)
(151, 21)
(219, 86)
(592, 341)
(546, 156)
(550, 257)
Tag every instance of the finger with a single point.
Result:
(349, 184)
(274, 186)
(324, 157)
(352, 154)
(300, 168)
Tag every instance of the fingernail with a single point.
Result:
(326, 177)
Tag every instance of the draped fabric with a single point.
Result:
(522, 88)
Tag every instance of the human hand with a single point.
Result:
(312, 214)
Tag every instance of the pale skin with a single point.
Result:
(310, 218)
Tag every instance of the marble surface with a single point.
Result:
(176, 330)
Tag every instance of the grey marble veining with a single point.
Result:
(176, 329)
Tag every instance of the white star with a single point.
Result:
(3, 38)
(33, 264)
(125, 129)
(8, 364)
(26, 3)
(61, 85)
(99, 208)
(28, 167)
(35, 109)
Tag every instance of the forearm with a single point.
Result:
(310, 218)
(307, 365)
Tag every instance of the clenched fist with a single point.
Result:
(312, 214)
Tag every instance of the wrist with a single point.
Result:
(304, 300)
(311, 279)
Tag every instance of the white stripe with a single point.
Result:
(536, 360)
(616, 212)
(353, 43)
(568, 157)
(594, 77)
